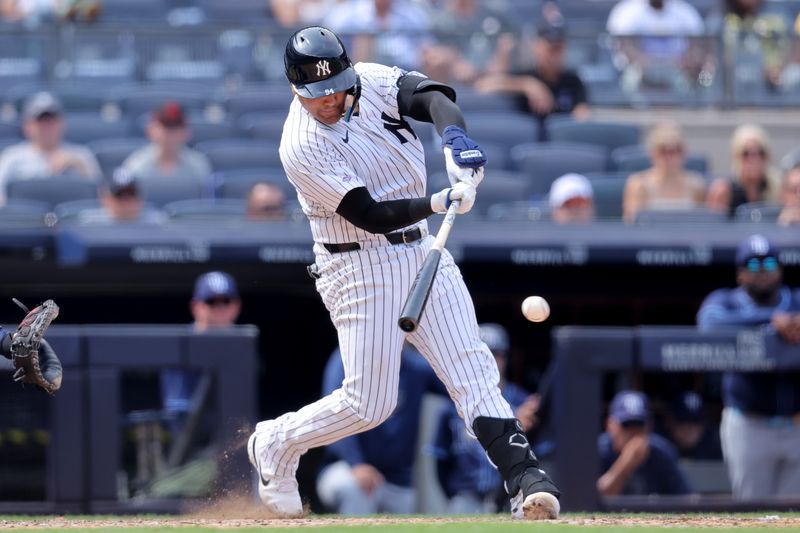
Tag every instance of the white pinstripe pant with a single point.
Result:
(364, 292)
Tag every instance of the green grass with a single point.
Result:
(570, 523)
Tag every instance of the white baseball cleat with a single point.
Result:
(278, 494)
(536, 506)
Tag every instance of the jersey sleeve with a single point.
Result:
(383, 80)
(319, 172)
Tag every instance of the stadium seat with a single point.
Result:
(262, 125)
(544, 162)
(126, 11)
(201, 126)
(68, 211)
(519, 211)
(635, 158)
(266, 99)
(237, 183)
(110, 153)
(472, 101)
(51, 190)
(206, 209)
(229, 154)
(83, 128)
(250, 11)
(19, 212)
(20, 57)
(10, 130)
(161, 191)
(758, 212)
(608, 196)
(5, 142)
(609, 135)
(696, 215)
(102, 57)
(506, 129)
(134, 100)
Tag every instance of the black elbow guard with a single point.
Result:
(409, 84)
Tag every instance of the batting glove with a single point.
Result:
(463, 157)
(460, 191)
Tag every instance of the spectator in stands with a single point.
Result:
(44, 154)
(266, 201)
(790, 198)
(472, 39)
(687, 427)
(466, 476)
(634, 460)
(215, 305)
(549, 87)
(760, 428)
(571, 200)
(666, 184)
(751, 30)
(388, 31)
(167, 154)
(371, 472)
(299, 13)
(121, 202)
(753, 179)
(652, 42)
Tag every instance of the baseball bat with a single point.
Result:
(421, 288)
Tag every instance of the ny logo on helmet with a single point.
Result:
(323, 68)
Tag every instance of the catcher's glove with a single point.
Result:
(34, 359)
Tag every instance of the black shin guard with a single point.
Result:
(509, 450)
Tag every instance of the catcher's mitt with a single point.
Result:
(34, 365)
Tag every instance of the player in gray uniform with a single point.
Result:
(359, 171)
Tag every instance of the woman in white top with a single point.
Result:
(666, 184)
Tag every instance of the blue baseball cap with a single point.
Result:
(630, 406)
(755, 246)
(215, 284)
(495, 336)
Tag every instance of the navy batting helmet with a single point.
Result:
(317, 63)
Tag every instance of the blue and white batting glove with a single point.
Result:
(463, 157)
(463, 192)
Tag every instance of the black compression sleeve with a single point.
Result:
(434, 106)
(360, 209)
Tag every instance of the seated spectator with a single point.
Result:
(372, 472)
(121, 202)
(653, 41)
(760, 432)
(549, 87)
(465, 474)
(383, 31)
(167, 154)
(688, 428)
(471, 38)
(790, 198)
(44, 154)
(666, 184)
(634, 460)
(748, 28)
(571, 200)
(266, 201)
(753, 179)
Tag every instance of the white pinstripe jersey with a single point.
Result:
(376, 150)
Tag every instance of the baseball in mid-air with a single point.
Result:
(535, 308)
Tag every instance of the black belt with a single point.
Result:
(398, 237)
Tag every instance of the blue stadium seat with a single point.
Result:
(135, 100)
(161, 191)
(19, 212)
(86, 127)
(51, 190)
(265, 99)
(608, 135)
(110, 153)
(474, 102)
(75, 95)
(240, 153)
(68, 211)
(126, 11)
(250, 11)
(103, 57)
(21, 54)
(608, 196)
(202, 127)
(695, 215)
(262, 125)
(206, 209)
(635, 158)
(519, 211)
(758, 212)
(10, 130)
(544, 162)
(237, 183)
(506, 129)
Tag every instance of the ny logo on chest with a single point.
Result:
(394, 125)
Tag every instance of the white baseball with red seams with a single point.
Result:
(535, 308)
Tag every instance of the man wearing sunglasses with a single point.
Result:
(760, 429)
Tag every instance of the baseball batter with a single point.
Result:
(359, 171)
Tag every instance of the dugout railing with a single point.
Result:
(85, 419)
(584, 355)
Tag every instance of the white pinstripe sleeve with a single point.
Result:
(384, 80)
(319, 172)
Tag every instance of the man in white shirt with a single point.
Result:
(44, 154)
